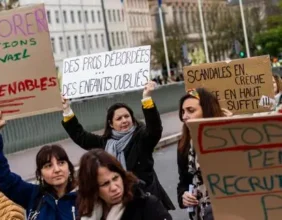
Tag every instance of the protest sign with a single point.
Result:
(238, 84)
(28, 84)
(241, 164)
(109, 72)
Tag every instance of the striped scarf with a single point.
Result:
(117, 143)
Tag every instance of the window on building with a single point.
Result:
(53, 44)
(102, 40)
(99, 16)
(109, 15)
(79, 16)
(65, 16)
(49, 17)
(72, 17)
(125, 38)
(90, 41)
(69, 43)
(93, 16)
(57, 16)
(118, 14)
(76, 43)
(118, 41)
(86, 16)
(83, 42)
(113, 39)
(114, 15)
(96, 41)
(134, 20)
(181, 12)
(122, 38)
(61, 44)
(188, 20)
(174, 15)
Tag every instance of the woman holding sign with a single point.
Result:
(197, 103)
(53, 198)
(130, 141)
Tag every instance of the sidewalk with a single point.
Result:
(23, 163)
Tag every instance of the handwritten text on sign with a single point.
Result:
(28, 83)
(242, 164)
(238, 85)
(110, 72)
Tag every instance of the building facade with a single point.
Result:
(185, 14)
(80, 27)
(117, 29)
(138, 21)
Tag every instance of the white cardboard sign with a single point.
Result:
(109, 72)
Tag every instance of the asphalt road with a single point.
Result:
(166, 169)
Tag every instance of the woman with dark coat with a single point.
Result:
(55, 195)
(108, 192)
(197, 103)
(130, 141)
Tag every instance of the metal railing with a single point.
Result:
(29, 132)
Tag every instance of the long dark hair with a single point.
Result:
(210, 107)
(43, 157)
(110, 114)
(88, 192)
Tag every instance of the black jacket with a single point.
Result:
(138, 153)
(185, 178)
(145, 207)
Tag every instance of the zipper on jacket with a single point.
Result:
(73, 212)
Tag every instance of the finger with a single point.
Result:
(2, 123)
(186, 204)
(191, 196)
(185, 199)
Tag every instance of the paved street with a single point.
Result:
(166, 168)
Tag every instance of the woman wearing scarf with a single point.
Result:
(130, 141)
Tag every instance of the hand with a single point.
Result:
(279, 108)
(2, 121)
(149, 87)
(189, 200)
(226, 112)
(66, 104)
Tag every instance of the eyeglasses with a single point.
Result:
(194, 93)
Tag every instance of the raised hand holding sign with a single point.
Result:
(149, 87)
(2, 121)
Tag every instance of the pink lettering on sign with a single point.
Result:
(25, 24)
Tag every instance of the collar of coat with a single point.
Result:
(114, 214)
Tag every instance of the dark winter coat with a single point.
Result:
(29, 195)
(185, 178)
(145, 207)
(138, 153)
